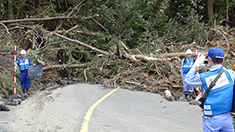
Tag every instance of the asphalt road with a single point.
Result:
(63, 110)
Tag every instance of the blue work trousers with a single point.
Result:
(187, 88)
(218, 123)
(24, 79)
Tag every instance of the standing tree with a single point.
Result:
(210, 8)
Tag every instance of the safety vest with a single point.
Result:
(219, 99)
(24, 65)
(187, 65)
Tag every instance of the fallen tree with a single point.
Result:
(82, 44)
(63, 66)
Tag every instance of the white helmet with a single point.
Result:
(23, 52)
(189, 52)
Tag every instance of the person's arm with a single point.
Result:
(182, 67)
(192, 79)
(18, 62)
(30, 63)
(232, 74)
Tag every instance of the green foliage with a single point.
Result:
(6, 42)
(35, 56)
(148, 67)
(136, 22)
(220, 9)
(7, 84)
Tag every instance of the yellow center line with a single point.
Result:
(91, 109)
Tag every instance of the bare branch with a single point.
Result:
(57, 28)
(100, 25)
(5, 28)
(71, 29)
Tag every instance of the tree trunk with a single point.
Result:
(210, 8)
(227, 8)
(21, 6)
(10, 9)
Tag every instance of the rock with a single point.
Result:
(65, 82)
(18, 96)
(194, 102)
(25, 95)
(167, 95)
(69, 82)
(75, 79)
(22, 98)
(4, 107)
(19, 101)
(14, 102)
(176, 96)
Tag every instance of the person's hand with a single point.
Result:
(199, 61)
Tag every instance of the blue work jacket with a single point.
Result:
(186, 65)
(23, 65)
(216, 97)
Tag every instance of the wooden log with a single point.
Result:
(178, 54)
(173, 44)
(64, 66)
(165, 85)
(188, 45)
(177, 86)
(82, 44)
(146, 58)
(135, 83)
(34, 19)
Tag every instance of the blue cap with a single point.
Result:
(215, 52)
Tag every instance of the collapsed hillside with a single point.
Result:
(148, 68)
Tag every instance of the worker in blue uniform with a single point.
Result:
(186, 65)
(216, 111)
(23, 64)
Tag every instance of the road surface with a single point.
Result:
(64, 109)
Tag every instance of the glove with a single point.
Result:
(199, 61)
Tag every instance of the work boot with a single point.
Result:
(27, 91)
(185, 95)
(23, 91)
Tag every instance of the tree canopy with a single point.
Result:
(133, 21)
